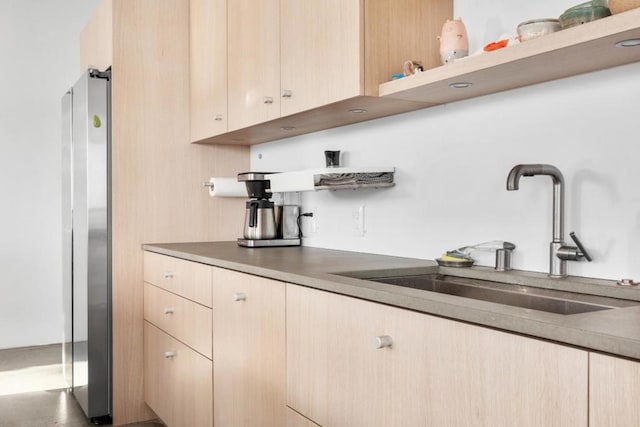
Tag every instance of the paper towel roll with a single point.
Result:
(226, 187)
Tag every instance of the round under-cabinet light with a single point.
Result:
(357, 110)
(287, 128)
(460, 85)
(628, 43)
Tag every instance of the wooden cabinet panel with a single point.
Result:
(315, 61)
(208, 68)
(177, 380)
(185, 320)
(400, 30)
(158, 373)
(436, 371)
(156, 196)
(253, 61)
(96, 39)
(308, 353)
(248, 350)
(614, 385)
(321, 44)
(294, 419)
(185, 278)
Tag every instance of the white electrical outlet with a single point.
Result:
(358, 221)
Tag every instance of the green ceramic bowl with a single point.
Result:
(583, 13)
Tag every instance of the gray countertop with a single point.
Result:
(615, 331)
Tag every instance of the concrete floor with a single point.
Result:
(23, 369)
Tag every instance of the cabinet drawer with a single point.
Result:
(185, 320)
(178, 382)
(185, 278)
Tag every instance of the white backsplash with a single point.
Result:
(452, 163)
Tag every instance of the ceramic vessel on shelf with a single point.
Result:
(618, 6)
(583, 13)
(535, 28)
(454, 43)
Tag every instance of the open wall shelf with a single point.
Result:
(577, 50)
(332, 179)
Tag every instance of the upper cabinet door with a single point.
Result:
(254, 62)
(321, 44)
(208, 68)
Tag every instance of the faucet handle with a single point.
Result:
(582, 251)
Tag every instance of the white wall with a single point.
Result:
(452, 163)
(39, 58)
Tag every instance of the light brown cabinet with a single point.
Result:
(248, 350)
(178, 372)
(321, 60)
(177, 380)
(208, 68)
(187, 279)
(289, 355)
(334, 50)
(614, 385)
(356, 363)
(254, 62)
(296, 67)
(179, 317)
(155, 169)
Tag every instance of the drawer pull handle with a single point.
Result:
(169, 354)
(218, 117)
(287, 93)
(383, 341)
(267, 100)
(168, 275)
(169, 310)
(240, 296)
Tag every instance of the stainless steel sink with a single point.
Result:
(549, 300)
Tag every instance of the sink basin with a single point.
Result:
(548, 300)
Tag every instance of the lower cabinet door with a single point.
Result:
(159, 373)
(353, 363)
(248, 350)
(177, 381)
(614, 386)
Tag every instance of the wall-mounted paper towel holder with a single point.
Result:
(226, 187)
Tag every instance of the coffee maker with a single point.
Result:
(265, 224)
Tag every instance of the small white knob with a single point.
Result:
(218, 117)
(287, 93)
(169, 354)
(239, 296)
(383, 341)
(168, 275)
(267, 100)
(168, 310)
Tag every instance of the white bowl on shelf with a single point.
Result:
(535, 28)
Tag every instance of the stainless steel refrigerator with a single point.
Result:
(86, 228)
